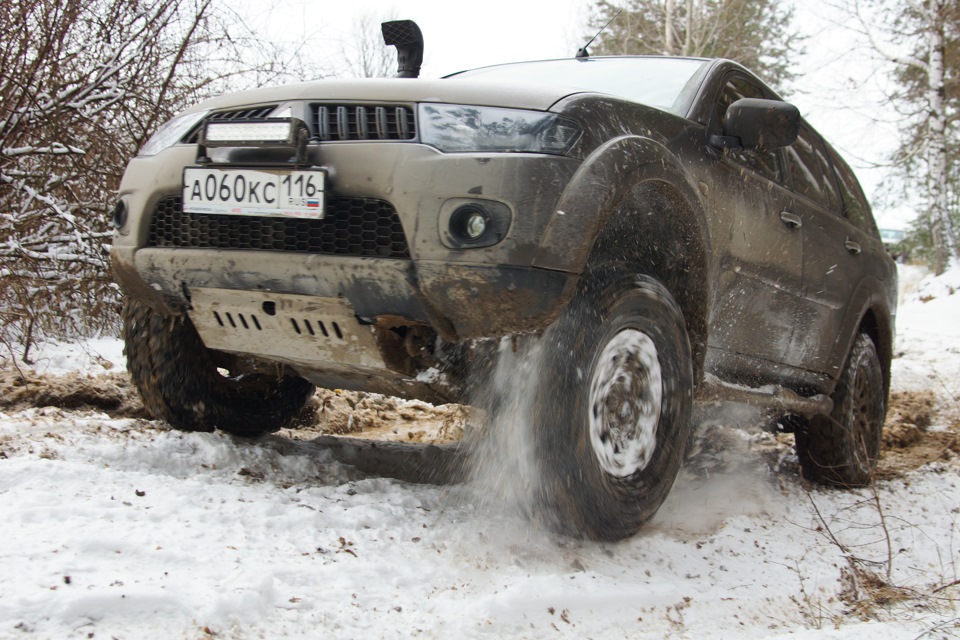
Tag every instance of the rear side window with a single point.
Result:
(766, 162)
(855, 207)
(810, 171)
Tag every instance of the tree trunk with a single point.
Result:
(938, 214)
(668, 29)
(691, 21)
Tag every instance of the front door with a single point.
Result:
(761, 255)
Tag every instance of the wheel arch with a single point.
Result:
(868, 312)
(877, 325)
(632, 202)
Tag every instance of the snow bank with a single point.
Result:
(91, 355)
(931, 287)
(927, 349)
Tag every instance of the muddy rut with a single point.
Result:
(917, 431)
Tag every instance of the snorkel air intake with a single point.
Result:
(405, 35)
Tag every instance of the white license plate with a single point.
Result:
(254, 192)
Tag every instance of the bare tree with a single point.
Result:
(84, 84)
(364, 52)
(756, 33)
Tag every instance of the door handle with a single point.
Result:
(851, 246)
(792, 220)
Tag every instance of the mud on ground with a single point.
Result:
(112, 393)
(918, 431)
(346, 413)
(377, 417)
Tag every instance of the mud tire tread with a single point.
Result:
(834, 450)
(179, 383)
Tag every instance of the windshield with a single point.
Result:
(665, 83)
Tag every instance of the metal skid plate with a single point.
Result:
(297, 329)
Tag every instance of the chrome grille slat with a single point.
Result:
(363, 132)
(323, 123)
(383, 128)
(343, 123)
(405, 125)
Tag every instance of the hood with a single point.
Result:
(451, 91)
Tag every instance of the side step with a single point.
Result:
(772, 397)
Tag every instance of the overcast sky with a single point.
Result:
(462, 35)
(457, 35)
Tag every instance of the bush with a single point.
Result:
(84, 85)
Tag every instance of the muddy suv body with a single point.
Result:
(424, 220)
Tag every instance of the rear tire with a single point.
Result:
(842, 449)
(180, 383)
(612, 406)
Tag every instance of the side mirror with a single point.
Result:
(752, 123)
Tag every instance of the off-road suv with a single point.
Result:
(671, 229)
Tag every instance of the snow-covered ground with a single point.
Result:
(121, 528)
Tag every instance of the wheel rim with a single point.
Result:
(626, 395)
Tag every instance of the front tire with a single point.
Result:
(842, 449)
(180, 382)
(612, 407)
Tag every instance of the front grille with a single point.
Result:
(335, 122)
(247, 113)
(359, 227)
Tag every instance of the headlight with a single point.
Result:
(457, 128)
(171, 132)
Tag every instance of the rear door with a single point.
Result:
(835, 253)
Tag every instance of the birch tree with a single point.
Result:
(920, 39)
(756, 33)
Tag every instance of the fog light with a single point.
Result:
(476, 225)
(469, 224)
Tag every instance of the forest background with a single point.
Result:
(87, 82)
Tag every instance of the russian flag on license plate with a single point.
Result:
(313, 204)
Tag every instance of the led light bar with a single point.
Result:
(218, 133)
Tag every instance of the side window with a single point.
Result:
(828, 181)
(855, 207)
(810, 171)
(766, 163)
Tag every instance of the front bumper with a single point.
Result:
(458, 293)
(459, 301)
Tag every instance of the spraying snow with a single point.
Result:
(503, 467)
